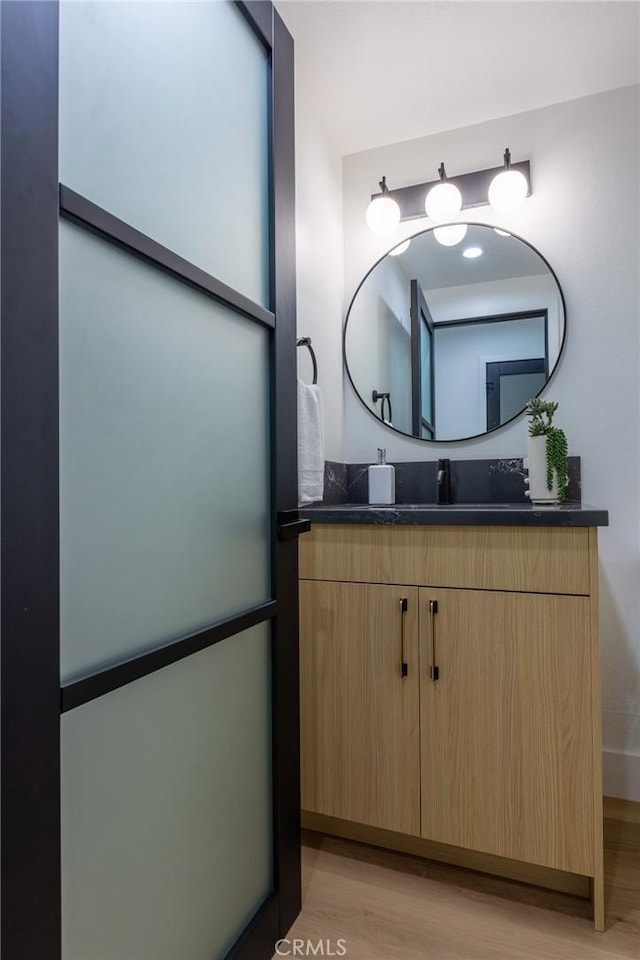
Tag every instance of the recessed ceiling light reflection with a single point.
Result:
(399, 249)
(472, 252)
(502, 233)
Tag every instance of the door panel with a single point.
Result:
(360, 751)
(164, 454)
(166, 808)
(510, 385)
(190, 812)
(500, 774)
(422, 365)
(164, 123)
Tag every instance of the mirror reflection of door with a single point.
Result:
(427, 319)
(467, 349)
(422, 366)
(510, 385)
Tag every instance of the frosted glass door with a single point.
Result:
(422, 365)
(149, 643)
(164, 453)
(166, 783)
(426, 377)
(175, 98)
(166, 502)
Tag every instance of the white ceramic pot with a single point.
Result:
(536, 465)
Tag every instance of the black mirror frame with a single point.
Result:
(475, 436)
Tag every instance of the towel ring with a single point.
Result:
(383, 397)
(306, 342)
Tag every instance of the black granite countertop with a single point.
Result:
(472, 514)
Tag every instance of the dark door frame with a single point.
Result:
(420, 311)
(505, 318)
(500, 368)
(32, 697)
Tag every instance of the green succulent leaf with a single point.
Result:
(557, 460)
(540, 413)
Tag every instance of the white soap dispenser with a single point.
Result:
(382, 480)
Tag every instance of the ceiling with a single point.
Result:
(438, 266)
(382, 71)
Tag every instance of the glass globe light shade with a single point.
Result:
(400, 248)
(383, 215)
(449, 236)
(507, 190)
(443, 202)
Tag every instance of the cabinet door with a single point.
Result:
(360, 725)
(506, 729)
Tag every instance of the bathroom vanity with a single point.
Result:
(450, 686)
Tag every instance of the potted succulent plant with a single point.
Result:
(547, 449)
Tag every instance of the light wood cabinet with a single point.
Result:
(497, 751)
(506, 729)
(360, 720)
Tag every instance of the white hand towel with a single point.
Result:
(310, 444)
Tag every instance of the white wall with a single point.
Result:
(319, 249)
(378, 340)
(583, 217)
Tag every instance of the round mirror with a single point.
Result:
(447, 342)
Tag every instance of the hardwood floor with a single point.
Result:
(390, 906)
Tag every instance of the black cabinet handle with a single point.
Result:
(434, 671)
(290, 525)
(404, 666)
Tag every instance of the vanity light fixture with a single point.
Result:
(444, 201)
(450, 235)
(400, 248)
(508, 189)
(476, 190)
(383, 213)
(472, 253)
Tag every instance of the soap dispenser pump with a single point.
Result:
(382, 480)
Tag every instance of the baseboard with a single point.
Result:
(616, 809)
(621, 775)
(572, 883)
